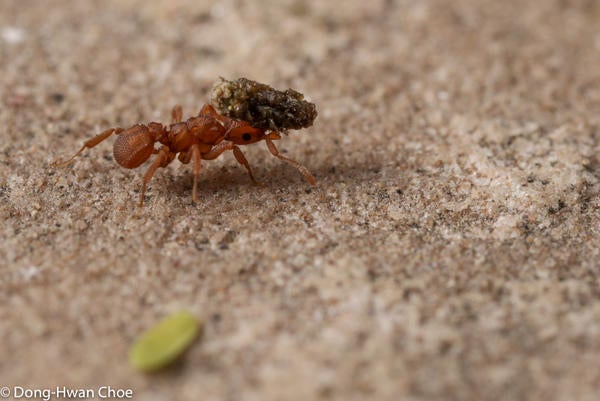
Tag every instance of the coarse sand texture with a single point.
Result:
(449, 251)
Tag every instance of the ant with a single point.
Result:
(204, 137)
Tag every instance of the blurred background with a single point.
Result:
(448, 252)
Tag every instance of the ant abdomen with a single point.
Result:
(133, 146)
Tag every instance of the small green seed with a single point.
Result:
(164, 342)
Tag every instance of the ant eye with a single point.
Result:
(246, 137)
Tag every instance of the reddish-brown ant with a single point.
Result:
(204, 137)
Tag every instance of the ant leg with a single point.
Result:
(177, 114)
(185, 157)
(239, 156)
(90, 143)
(294, 163)
(197, 167)
(208, 110)
(162, 160)
(217, 150)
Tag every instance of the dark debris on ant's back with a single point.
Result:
(261, 105)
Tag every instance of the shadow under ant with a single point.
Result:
(274, 177)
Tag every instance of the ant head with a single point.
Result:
(242, 133)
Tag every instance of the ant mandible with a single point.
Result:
(204, 137)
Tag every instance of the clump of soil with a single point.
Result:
(261, 105)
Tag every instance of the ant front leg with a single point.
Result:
(294, 163)
(217, 150)
(239, 156)
(90, 143)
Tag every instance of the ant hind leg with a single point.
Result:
(162, 160)
(90, 143)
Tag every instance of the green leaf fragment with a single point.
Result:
(165, 342)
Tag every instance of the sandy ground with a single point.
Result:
(450, 250)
